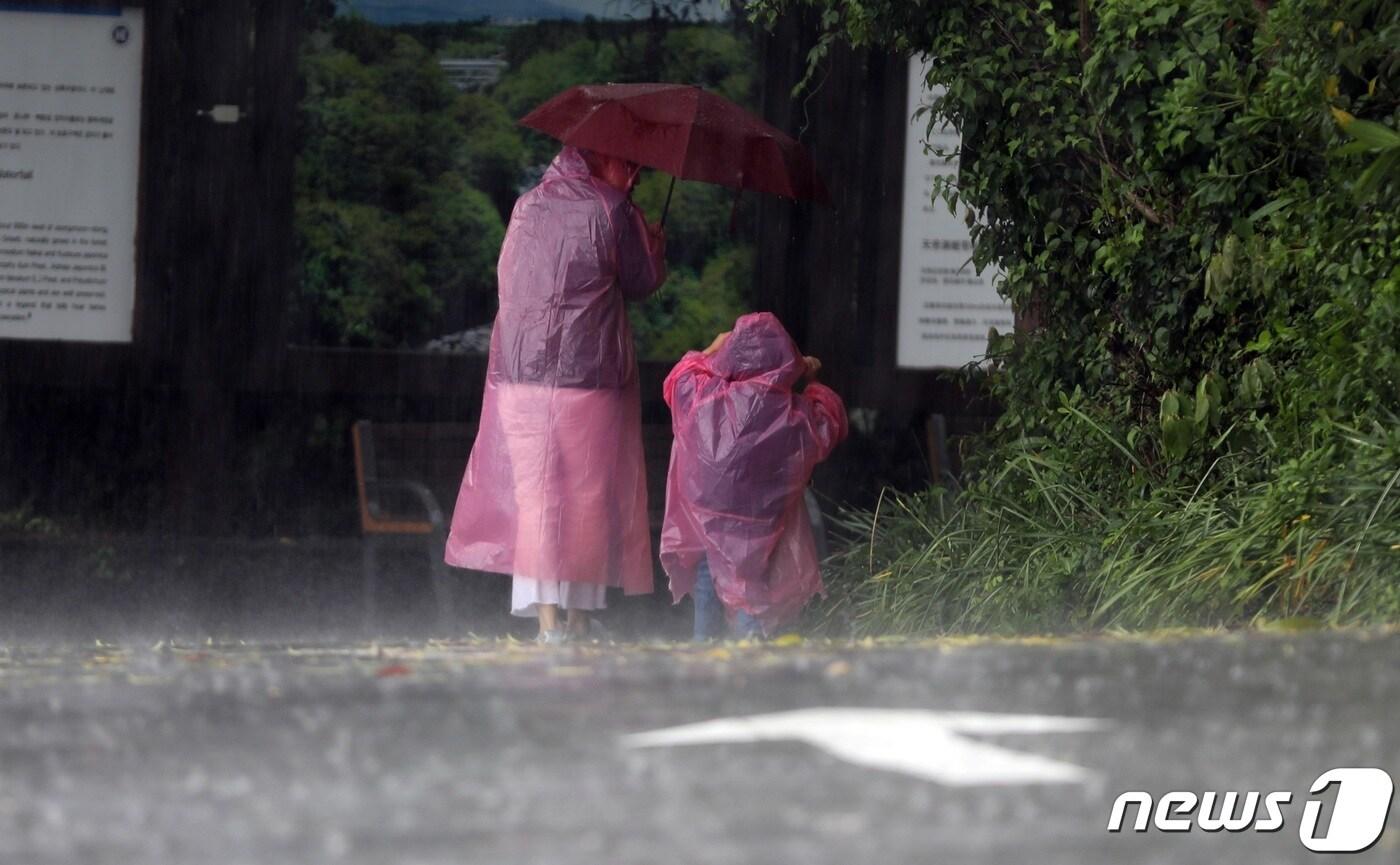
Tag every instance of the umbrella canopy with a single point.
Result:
(683, 130)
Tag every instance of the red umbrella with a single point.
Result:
(683, 130)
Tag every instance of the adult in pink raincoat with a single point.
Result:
(745, 446)
(555, 490)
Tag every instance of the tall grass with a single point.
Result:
(1039, 545)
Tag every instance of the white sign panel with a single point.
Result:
(70, 123)
(945, 306)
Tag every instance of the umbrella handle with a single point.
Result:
(667, 206)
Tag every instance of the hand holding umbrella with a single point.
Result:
(656, 237)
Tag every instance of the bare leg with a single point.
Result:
(549, 617)
(578, 622)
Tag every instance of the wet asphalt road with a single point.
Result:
(491, 752)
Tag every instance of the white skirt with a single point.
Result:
(526, 593)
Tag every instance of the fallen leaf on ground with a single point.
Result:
(837, 669)
(570, 672)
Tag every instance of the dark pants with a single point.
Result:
(709, 612)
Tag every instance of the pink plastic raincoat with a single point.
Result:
(555, 488)
(745, 446)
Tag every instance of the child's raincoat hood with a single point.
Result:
(759, 349)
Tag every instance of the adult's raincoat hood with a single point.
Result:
(745, 446)
(555, 488)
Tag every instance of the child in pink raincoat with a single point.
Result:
(555, 490)
(736, 533)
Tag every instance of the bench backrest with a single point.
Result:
(433, 454)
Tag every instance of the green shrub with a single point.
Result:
(1041, 546)
(1195, 200)
(397, 244)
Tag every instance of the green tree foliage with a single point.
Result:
(697, 223)
(713, 58)
(690, 309)
(359, 285)
(582, 61)
(404, 184)
(522, 43)
(459, 38)
(456, 234)
(397, 244)
(711, 281)
(1194, 199)
(491, 155)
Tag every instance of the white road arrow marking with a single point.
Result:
(928, 745)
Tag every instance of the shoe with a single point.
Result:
(598, 632)
(552, 638)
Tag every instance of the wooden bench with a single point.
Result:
(404, 474)
(407, 476)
